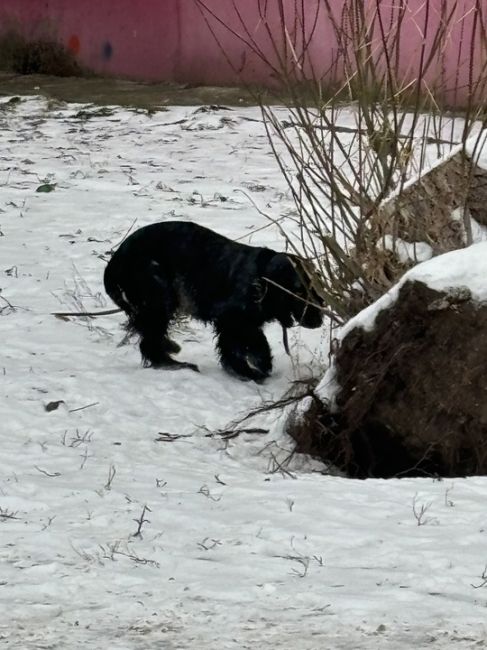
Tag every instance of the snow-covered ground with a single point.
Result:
(231, 553)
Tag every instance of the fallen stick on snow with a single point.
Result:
(78, 314)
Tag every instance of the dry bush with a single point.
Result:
(360, 130)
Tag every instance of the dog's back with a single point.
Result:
(185, 260)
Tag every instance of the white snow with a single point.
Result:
(233, 554)
(407, 251)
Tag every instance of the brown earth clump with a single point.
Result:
(413, 397)
(41, 56)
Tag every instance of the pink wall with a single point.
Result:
(110, 37)
(176, 40)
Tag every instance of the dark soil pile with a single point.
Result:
(413, 398)
(37, 57)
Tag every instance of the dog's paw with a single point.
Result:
(171, 346)
(247, 371)
(190, 366)
(175, 365)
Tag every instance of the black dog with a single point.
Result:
(177, 268)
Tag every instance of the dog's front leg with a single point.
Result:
(243, 349)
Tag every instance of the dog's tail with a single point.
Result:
(113, 281)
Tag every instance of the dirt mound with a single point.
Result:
(37, 57)
(413, 396)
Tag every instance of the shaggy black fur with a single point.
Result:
(177, 268)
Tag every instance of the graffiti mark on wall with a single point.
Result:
(107, 50)
(74, 44)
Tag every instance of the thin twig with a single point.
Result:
(79, 314)
(82, 408)
(43, 471)
(141, 521)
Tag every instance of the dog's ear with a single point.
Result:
(280, 282)
(291, 297)
(280, 272)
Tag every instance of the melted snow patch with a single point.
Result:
(407, 251)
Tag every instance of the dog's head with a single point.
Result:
(290, 291)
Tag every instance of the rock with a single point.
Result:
(440, 210)
(407, 391)
(477, 198)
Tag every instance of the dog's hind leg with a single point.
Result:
(152, 306)
(244, 350)
(155, 348)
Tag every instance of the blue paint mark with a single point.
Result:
(107, 51)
